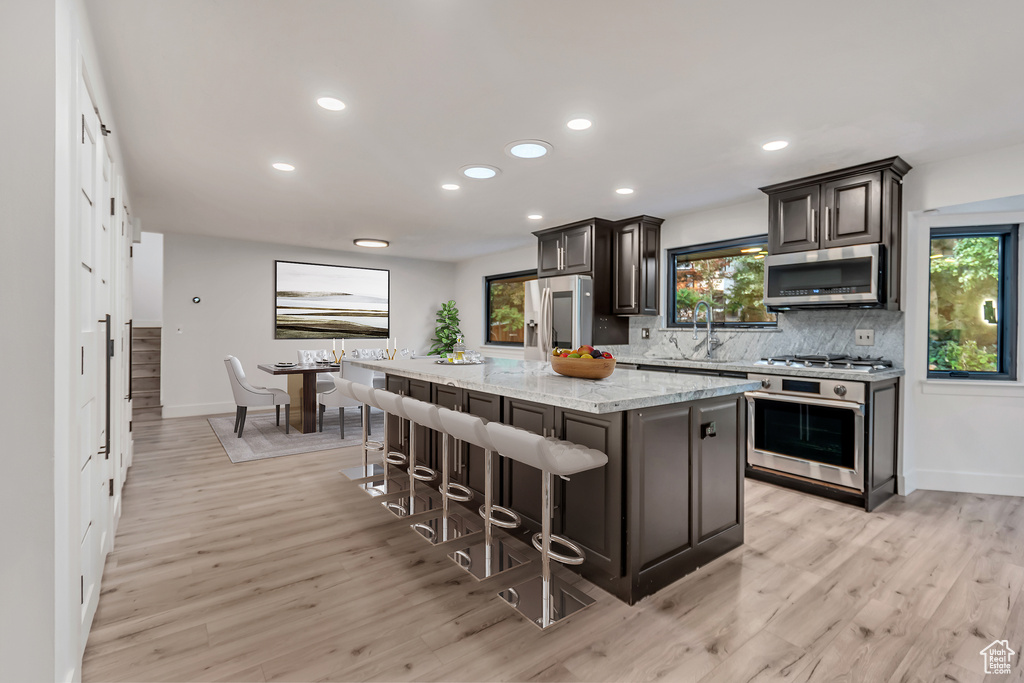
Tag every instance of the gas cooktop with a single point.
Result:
(829, 361)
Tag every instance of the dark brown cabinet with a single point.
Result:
(566, 250)
(521, 483)
(857, 205)
(636, 244)
(684, 488)
(838, 213)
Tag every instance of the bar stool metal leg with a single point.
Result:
(450, 525)
(494, 556)
(547, 599)
(366, 469)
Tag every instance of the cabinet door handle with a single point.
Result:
(632, 288)
(814, 225)
(561, 258)
(828, 223)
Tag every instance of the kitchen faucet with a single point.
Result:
(712, 338)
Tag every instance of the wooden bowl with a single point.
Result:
(584, 368)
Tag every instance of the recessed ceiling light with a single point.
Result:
(480, 171)
(625, 190)
(331, 103)
(281, 166)
(449, 186)
(373, 244)
(528, 149)
(579, 124)
(535, 216)
(774, 145)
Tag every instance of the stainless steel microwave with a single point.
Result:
(841, 277)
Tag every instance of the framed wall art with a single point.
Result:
(315, 301)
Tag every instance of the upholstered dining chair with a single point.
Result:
(323, 379)
(335, 399)
(248, 396)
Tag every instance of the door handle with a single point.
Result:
(814, 225)
(828, 223)
(632, 288)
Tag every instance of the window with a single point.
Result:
(504, 296)
(729, 275)
(972, 309)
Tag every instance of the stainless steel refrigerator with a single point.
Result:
(564, 312)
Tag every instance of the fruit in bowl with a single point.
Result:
(586, 362)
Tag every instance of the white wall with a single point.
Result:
(235, 281)
(958, 436)
(148, 281)
(27, 570)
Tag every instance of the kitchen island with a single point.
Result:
(670, 498)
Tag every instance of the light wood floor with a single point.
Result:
(282, 570)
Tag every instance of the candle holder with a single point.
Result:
(391, 354)
(338, 356)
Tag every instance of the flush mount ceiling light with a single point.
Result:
(449, 186)
(373, 244)
(480, 171)
(528, 149)
(774, 145)
(579, 124)
(331, 103)
(281, 166)
(624, 190)
(535, 216)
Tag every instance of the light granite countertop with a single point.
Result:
(753, 367)
(536, 381)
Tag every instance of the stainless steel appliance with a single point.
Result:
(841, 277)
(563, 311)
(829, 362)
(808, 427)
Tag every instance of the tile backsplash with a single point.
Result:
(813, 331)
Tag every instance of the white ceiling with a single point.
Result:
(206, 95)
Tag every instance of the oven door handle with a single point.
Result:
(848, 405)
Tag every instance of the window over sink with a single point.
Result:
(504, 296)
(728, 274)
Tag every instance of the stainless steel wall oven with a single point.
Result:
(808, 427)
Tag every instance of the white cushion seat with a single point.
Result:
(249, 396)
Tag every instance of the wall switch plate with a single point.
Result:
(645, 333)
(864, 337)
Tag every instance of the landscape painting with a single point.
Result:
(331, 302)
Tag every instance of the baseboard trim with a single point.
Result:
(204, 409)
(970, 482)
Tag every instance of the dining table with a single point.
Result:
(301, 389)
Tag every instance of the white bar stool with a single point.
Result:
(364, 395)
(391, 404)
(493, 556)
(546, 600)
(449, 525)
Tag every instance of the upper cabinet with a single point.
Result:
(567, 250)
(636, 247)
(856, 205)
(623, 258)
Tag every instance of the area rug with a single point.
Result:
(261, 438)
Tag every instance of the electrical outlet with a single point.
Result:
(864, 337)
(645, 333)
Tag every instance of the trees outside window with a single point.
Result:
(972, 302)
(728, 275)
(505, 295)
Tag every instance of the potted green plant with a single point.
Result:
(447, 330)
